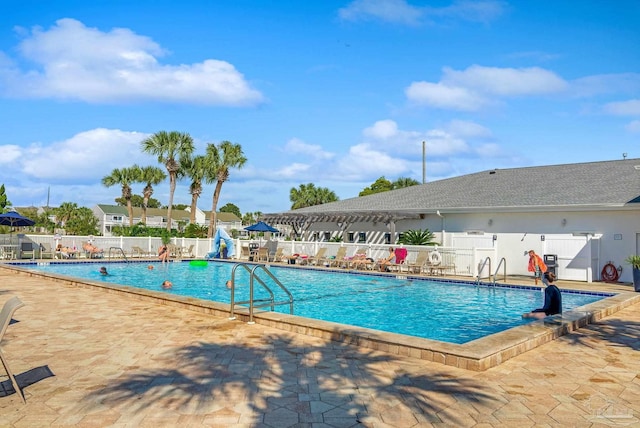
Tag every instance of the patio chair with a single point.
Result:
(318, 258)
(338, 260)
(418, 264)
(278, 255)
(46, 252)
(262, 255)
(28, 250)
(6, 313)
(188, 251)
(401, 258)
(245, 252)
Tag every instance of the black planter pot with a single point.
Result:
(636, 279)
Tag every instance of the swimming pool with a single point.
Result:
(448, 311)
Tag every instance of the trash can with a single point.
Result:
(551, 260)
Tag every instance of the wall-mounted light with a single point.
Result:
(564, 222)
(542, 237)
(490, 222)
(340, 224)
(495, 237)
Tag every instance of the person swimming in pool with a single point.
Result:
(552, 299)
(166, 284)
(103, 271)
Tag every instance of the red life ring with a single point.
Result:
(610, 273)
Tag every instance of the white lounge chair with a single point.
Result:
(6, 313)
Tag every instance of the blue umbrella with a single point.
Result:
(261, 226)
(14, 219)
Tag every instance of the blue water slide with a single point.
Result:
(221, 235)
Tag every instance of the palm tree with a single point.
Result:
(308, 195)
(152, 176)
(195, 169)
(219, 159)
(404, 182)
(171, 148)
(124, 177)
(65, 212)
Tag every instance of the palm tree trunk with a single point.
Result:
(194, 205)
(212, 218)
(130, 212)
(172, 189)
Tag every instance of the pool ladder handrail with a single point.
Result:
(484, 263)
(502, 263)
(121, 250)
(262, 303)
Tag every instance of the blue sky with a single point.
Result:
(336, 93)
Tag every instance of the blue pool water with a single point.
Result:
(452, 312)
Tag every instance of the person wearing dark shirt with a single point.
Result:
(552, 299)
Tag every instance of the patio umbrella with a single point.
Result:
(261, 226)
(14, 219)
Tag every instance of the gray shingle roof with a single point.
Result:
(585, 185)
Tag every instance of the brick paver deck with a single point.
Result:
(90, 358)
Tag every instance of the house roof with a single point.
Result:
(162, 212)
(593, 185)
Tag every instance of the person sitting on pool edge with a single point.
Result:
(167, 284)
(163, 253)
(552, 299)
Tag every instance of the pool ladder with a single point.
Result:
(116, 251)
(258, 303)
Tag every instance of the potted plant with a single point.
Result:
(634, 261)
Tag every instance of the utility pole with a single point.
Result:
(424, 162)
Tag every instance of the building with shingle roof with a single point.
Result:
(596, 204)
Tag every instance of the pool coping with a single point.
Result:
(476, 355)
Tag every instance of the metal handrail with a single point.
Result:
(484, 263)
(253, 276)
(503, 262)
(121, 250)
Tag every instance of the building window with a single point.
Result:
(314, 237)
(362, 237)
(351, 237)
(327, 236)
(117, 218)
(387, 238)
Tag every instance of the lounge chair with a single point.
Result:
(139, 252)
(278, 255)
(28, 250)
(46, 250)
(338, 260)
(401, 258)
(419, 263)
(319, 258)
(245, 253)
(188, 251)
(91, 251)
(359, 260)
(6, 313)
(262, 255)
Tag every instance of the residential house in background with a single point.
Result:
(110, 216)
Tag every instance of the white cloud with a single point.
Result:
(82, 63)
(478, 86)
(382, 129)
(85, 157)
(314, 151)
(443, 96)
(633, 127)
(401, 12)
(363, 161)
(467, 129)
(474, 11)
(397, 11)
(623, 108)
(506, 81)
(618, 83)
(10, 153)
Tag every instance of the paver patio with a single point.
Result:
(90, 358)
